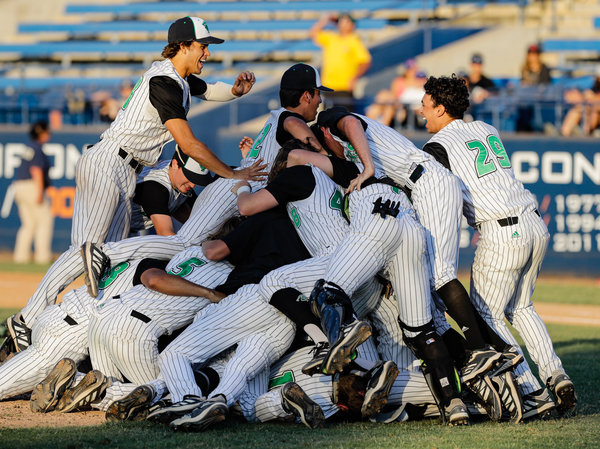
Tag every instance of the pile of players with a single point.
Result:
(327, 300)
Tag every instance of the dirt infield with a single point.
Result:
(17, 414)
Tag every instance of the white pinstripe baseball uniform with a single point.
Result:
(214, 205)
(158, 174)
(60, 331)
(124, 329)
(513, 237)
(106, 178)
(220, 326)
(435, 191)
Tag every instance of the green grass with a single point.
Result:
(23, 268)
(571, 291)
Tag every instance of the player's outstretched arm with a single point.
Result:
(252, 203)
(303, 157)
(352, 128)
(183, 135)
(170, 284)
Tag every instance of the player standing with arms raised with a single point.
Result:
(513, 238)
(154, 114)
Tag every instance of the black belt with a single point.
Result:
(509, 221)
(70, 321)
(416, 174)
(140, 316)
(137, 167)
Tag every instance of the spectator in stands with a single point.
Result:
(586, 109)
(392, 105)
(479, 85)
(534, 71)
(30, 184)
(345, 58)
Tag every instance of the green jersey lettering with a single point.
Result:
(336, 201)
(484, 163)
(131, 94)
(351, 153)
(185, 268)
(255, 150)
(282, 379)
(498, 149)
(112, 275)
(295, 217)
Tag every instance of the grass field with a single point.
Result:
(578, 347)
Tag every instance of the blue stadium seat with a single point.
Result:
(562, 45)
(92, 28)
(264, 6)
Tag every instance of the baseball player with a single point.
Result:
(164, 192)
(513, 236)
(300, 97)
(436, 198)
(61, 332)
(124, 329)
(154, 114)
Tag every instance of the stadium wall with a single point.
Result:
(564, 174)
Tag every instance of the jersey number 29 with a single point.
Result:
(485, 163)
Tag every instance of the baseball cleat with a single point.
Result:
(133, 407)
(168, 413)
(480, 361)
(46, 394)
(313, 367)
(7, 349)
(95, 262)
(211, 411)
(456, 413)
(342, 351)
(537, 405)
(486, 395)
(382, 377)
(510, 397)
(89, 390)
(295, 401)
(510, 359)
(563, 390)
(20, 333)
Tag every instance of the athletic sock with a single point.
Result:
(459, 307)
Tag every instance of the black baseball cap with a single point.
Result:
(192, 170)
(302, 77)
(191, 29)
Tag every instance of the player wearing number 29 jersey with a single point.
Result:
(490, 189)
(513, 238)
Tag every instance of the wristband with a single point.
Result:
(243, 189)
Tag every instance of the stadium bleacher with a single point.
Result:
(83, 47)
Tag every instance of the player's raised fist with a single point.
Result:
(243, 83)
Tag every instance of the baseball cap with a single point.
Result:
(192, 170)
(302, 77)
(534, 48)
(191, 29)
(477, 59)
